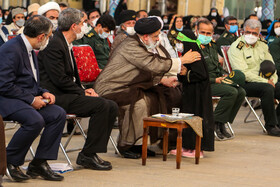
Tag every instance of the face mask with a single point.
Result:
(25, 14)
(277, 31)
(214, 14)
(130, 30)
(43, 46)
(86, 28)
(20, 22)
(104, 35)
(1, 20)
(152, 45)
(250, 39)
(180, 29)
(81, 34)
(233, 28)
(204, 39)
(180, 47)
(165, 20)
(214, 24)
(94, 22)
(5, 17)
(55, 24)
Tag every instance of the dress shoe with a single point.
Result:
(43, 170)
(16, 174)
(218, 131)
(130, 154)
(138, 149)
(224, 131)
(272, 131)
(103, 162)
(91, 162)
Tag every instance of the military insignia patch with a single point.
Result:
(231, 74)
(90, 34)
(225, 35)
(173, 32)
(240, 45)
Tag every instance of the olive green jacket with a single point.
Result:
(226, 38)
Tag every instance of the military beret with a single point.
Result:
(127, 15)
(235, 78)
(147, 25)
(267, 69)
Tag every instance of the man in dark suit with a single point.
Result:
(24, 101)
(59, 74)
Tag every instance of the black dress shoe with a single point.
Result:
(224, 131)
(103, 162)
(218, 131)
(43, 170)
(91, 162)
(272, 131)
(130, 154)
(138, 149)
(15, 173)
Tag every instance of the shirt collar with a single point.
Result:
(69, 45)
(27, 43)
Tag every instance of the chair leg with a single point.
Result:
(256, 115)
(249, 112)
(80, 127)
(65, 154)
(32, 152)
(231, 130)
(115, 146)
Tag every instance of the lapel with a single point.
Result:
(25, 58)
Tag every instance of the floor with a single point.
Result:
(250, 159)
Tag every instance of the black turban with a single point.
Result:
(147, 25)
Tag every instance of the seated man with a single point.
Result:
(18, 21)
(22, 100)
(229, 35)
(274, 49)
(3, 161)
(51, 11)
(231, 97)
(131, 77)
(97, 39)
(127, 22)
(93, 16)
(246, 54)
(59, 74)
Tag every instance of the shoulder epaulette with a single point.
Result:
(90, 34)
(263, 40)
(213, 41)
(225, 35)
(172, 32)
(240, 45)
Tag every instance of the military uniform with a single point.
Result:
(99, 46)
(226, 38)
(231, 97)
(247, 58)
(274, 49)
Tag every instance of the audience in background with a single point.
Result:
(18, 21)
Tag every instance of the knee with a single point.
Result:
(241, 92)
(36, 123)
(268, 90)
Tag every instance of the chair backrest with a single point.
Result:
(86, 63)
(224, 49)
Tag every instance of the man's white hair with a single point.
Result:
(253, 24)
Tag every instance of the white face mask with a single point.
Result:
(104, 35)
(43, 46)
(55, 24)
(81, 34)
(214, 14)
(165, 20)
(94, 22)
(87, 28)
(180, 47)
(250, 39)
(6, 16)
(152, 44)
(20, 22)
(277, 31)
(130, 30)
(25, 14)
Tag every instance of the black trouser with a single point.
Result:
(102, 113)
(267, 93)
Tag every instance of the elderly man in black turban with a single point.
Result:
(138, 71)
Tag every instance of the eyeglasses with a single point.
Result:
(253, 33)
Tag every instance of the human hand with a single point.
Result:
(219, 80)
(91, 92)
(169, 82)
(190, 57)
(49, 96)
(184, 70)
(270, 81)
(38, 103)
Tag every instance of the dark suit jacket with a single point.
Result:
(3, 161)
(17, 83)
(57, 73)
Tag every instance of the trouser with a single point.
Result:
(230, 102)
(3, 161)
(51, 118)
(102, 113)
(267, 93)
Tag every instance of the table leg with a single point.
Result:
(197, 149)
(165, 143)
(179, 148)
(144, 145)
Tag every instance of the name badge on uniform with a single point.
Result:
(248, 57)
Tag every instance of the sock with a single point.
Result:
(38, 161)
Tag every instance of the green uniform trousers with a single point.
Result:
(267, 94)
(230, 102)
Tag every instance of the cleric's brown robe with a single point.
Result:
(3, 160)
(132, 73)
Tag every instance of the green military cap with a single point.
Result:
(235, 78)
(267, 69)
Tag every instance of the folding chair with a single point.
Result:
(224, 50)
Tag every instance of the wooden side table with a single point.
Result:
(180, 125)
